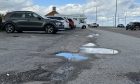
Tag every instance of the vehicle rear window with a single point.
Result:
(18, 15)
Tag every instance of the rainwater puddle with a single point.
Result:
(71, 56)
(98, 51)
(89, 45)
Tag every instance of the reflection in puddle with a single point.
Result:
(98, 51)
(89, 45)
(71, 56)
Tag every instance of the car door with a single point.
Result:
(19, 19)
(35, 22)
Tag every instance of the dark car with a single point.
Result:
(120, 26)
(29, 21)
(133, 26)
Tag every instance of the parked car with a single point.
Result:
(80, 23)
(94, 25)
(120, 26)
(71, 23)
(29, 21)
(133, 26)
(62, 19)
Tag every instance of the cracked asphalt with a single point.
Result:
(29, 58)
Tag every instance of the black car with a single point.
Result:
(29, 21)
(120, 26)
(133, 26)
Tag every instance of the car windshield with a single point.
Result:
(69, 41)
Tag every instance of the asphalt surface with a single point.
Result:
(122, 68)
(134, 33)
(29, 57)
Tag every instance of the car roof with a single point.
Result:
(20, 11)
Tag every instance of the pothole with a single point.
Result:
(98, 51)
(93, 35)
(134, 77)
(58, 76)
(71, 56)
(21, 77)
(89, 45)
(15, 36)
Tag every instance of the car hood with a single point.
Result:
(51, 20)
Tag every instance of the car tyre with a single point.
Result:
(84, 27)
(50, 29)
(9, 28)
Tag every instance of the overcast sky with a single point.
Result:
(106, 8)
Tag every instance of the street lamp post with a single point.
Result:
(116, 13)
(96, 14)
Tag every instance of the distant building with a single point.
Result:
(53, 12)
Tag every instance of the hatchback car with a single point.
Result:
(29, 21)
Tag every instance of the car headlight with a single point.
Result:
(59, 23)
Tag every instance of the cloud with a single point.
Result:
(106, 9)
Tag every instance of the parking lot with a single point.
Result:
(29, 51)
(35, 57)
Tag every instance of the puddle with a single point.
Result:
(98, 51)
(93, 35)
(89, 45)
(71, 56)
(134, 77)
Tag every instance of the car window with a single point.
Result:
(28, 15)
(59, 18)
(18, 15)
(35, 15)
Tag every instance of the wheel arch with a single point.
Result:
(9, 23)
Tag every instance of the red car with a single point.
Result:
(71, 23)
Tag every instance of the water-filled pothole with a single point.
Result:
(89, 45)
(134, 77)
(71, 56)
(98, 51)
(93, 35)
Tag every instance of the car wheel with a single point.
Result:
(83, 27)
(9, 28)
(49, 29)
